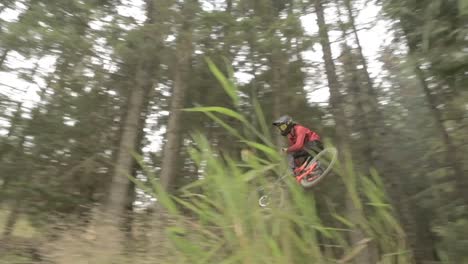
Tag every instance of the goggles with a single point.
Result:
(283, 127)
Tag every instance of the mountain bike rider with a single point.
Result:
(302, 141)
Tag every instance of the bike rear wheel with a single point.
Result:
(272, 195)
(326, 159)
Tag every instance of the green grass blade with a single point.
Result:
(227, 85)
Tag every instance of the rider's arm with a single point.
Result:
(300, 137)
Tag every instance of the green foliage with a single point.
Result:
(463, 6)
(228, 226)
(226, 83)
(225, 224)
(452, 247)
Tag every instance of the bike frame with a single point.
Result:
(305, 171)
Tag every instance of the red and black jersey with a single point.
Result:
(299, 136)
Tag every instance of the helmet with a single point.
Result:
(284, 124)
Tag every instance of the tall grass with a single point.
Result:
(218, 219)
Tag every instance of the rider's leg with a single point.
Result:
(295, 155)
(313, 147)
(308, 150)
(291, 162)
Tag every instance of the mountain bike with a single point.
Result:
(312, 170)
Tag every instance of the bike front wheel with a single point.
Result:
(325, 159)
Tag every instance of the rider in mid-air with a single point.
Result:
(301, 140)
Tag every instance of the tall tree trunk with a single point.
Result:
(360, 115)
(367, 104)
(131, 194)
(12, 219)
(422, 246)
(370, 106)
(277, 84)
(277, 59)
(355, 213)
(332, 78)
(182, 69)
(15, 119)
(124, 164)
(451, 158)
(402, 202)
(370, 86)
(227, 31)
(3, 57)
(450, 149)
(10, 150)
(111, 217)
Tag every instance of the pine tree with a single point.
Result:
(355, 213)
(181, 73)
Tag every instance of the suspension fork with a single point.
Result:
(307, 172)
